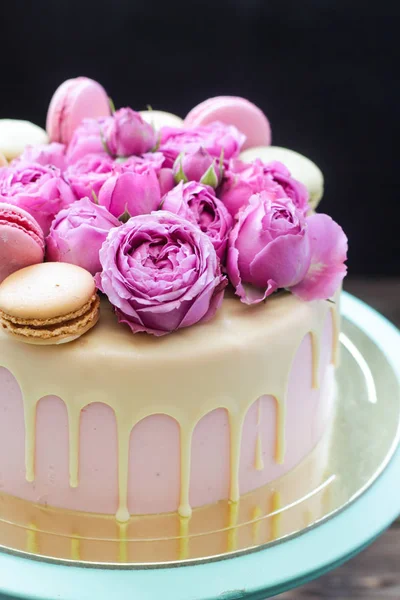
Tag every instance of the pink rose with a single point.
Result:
(141, 163)
(328, 244)
(197, 203)
(198, 166)
(242, 180)
(216, 138)
(166, 180)
(292, 188)
(268, 248)
(45, 154)
(88, 174)
(126, 133)
(87, 139)
(161, 273)
(40, 190)
(131, 193)
(77, 234)
(154, 160)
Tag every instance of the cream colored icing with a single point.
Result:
(239, 356)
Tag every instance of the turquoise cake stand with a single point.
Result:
(253, 576)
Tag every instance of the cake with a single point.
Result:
(210, 371)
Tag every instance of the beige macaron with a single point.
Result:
(49, 303)
(3, 160)
(15, 135)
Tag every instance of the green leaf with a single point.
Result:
(124, 218)
(209, 177)
(112, 105)
(149, 107)
(104, 143)
(180, 175)
(95, 198)
(158, 142)
(221, 162)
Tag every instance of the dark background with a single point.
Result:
(326, 72)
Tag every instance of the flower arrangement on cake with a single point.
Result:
(164, 218)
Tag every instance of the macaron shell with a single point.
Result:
(159, 118)
(18, 217)
(300, 167)
(17, 249)
(45, 291)
(15, 135)
(75, 100)
(233, 110)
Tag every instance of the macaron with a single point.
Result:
(159, 118)
(15, 135)
(21, 240)
(233, 110)
(300, 167)
(75, 100)
(49, 303)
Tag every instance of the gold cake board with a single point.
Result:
(345, 463)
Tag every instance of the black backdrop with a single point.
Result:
(326, 72)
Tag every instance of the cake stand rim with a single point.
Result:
(268, 571)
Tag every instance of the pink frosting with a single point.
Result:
(154, 478)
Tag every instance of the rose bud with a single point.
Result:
(198, 166)
(126, 133)
(198, 203)
(131, 193)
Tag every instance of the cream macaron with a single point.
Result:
(300, 167)
(49, 303)
(159, 118)
(15, 135)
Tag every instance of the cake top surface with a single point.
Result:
(160, 214)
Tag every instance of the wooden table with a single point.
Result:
(375, 573)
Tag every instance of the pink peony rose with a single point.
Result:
(198, 166)
(122, 134)
(40, 190)
(268, 248)
(77, 234)
(328, 245)
(87, 139)
(197, 203)
(45, 154)
(88, 174)
(166, 180)
(242, 180)
(126, 133)
(217, 139)
(161, 273)
(131, 193)
(141, 163)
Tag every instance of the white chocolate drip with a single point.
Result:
(80, 373)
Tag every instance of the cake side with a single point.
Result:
(132, 424)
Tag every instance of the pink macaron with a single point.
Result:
(75, 100)
(21, 240)
(233, 110)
